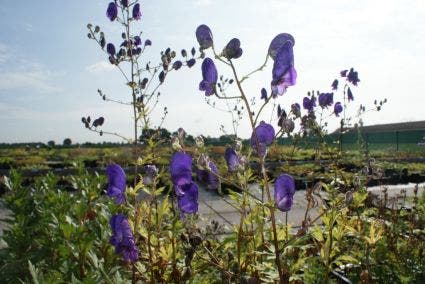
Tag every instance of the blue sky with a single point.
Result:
(50, 71)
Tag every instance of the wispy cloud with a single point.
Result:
(202, 2)
(33, 80)
(100, 67)
(20, 73)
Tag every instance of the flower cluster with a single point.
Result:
(185, 189)
(122, 236)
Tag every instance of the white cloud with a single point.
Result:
(202, 2)
(17, 72)
(33, 80)
(100, 67)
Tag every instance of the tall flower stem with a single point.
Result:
(264, 174)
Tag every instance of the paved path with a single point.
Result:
(221, 208)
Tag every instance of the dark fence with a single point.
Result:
(408, 140)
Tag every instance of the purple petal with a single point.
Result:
(110, 48)
(338, 108)
(284, 190)
(112, 11)
(335, 85)
(279, 41)
(209, 75)
(213, 181)
(137, 14)
(204, 36)
(232, 159)
(181, 168)
(232, 49)
(350, 95)
(188, 201)
(264, 132)
(263, 94)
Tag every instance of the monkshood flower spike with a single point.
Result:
(204, 37)
(209, 77)
(284, 190)
(116, 183)
(122, 238)
(233, 49)
(283, 73)
(112, 11)
(262, 137)
(232, 159)
(181, 168)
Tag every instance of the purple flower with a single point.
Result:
(353, 77)
(283, 73)
(326, 99)
(151, 171)
(232, 159)
(209, 176)
(181, 168)
(137, 41)
(110, 48)
(204, 36)
(350, 95)
(343, 73)
(201, 175)
(136, 12)
(287, 124)
(335, 85)
(262, 137)
(233, 49)
(124, 3)
(122, 238)
(148, 42)
(213, 181)
(296, 109)
(279, 41)
(177, 65)
(191, 62)
(209, 77)
(337, 108)
(284, 190)
(309, 103)
(112, 11)
(187, 197)
(263, 94)
(116, 183)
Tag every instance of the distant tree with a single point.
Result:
(67, 142)
(51, 143)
